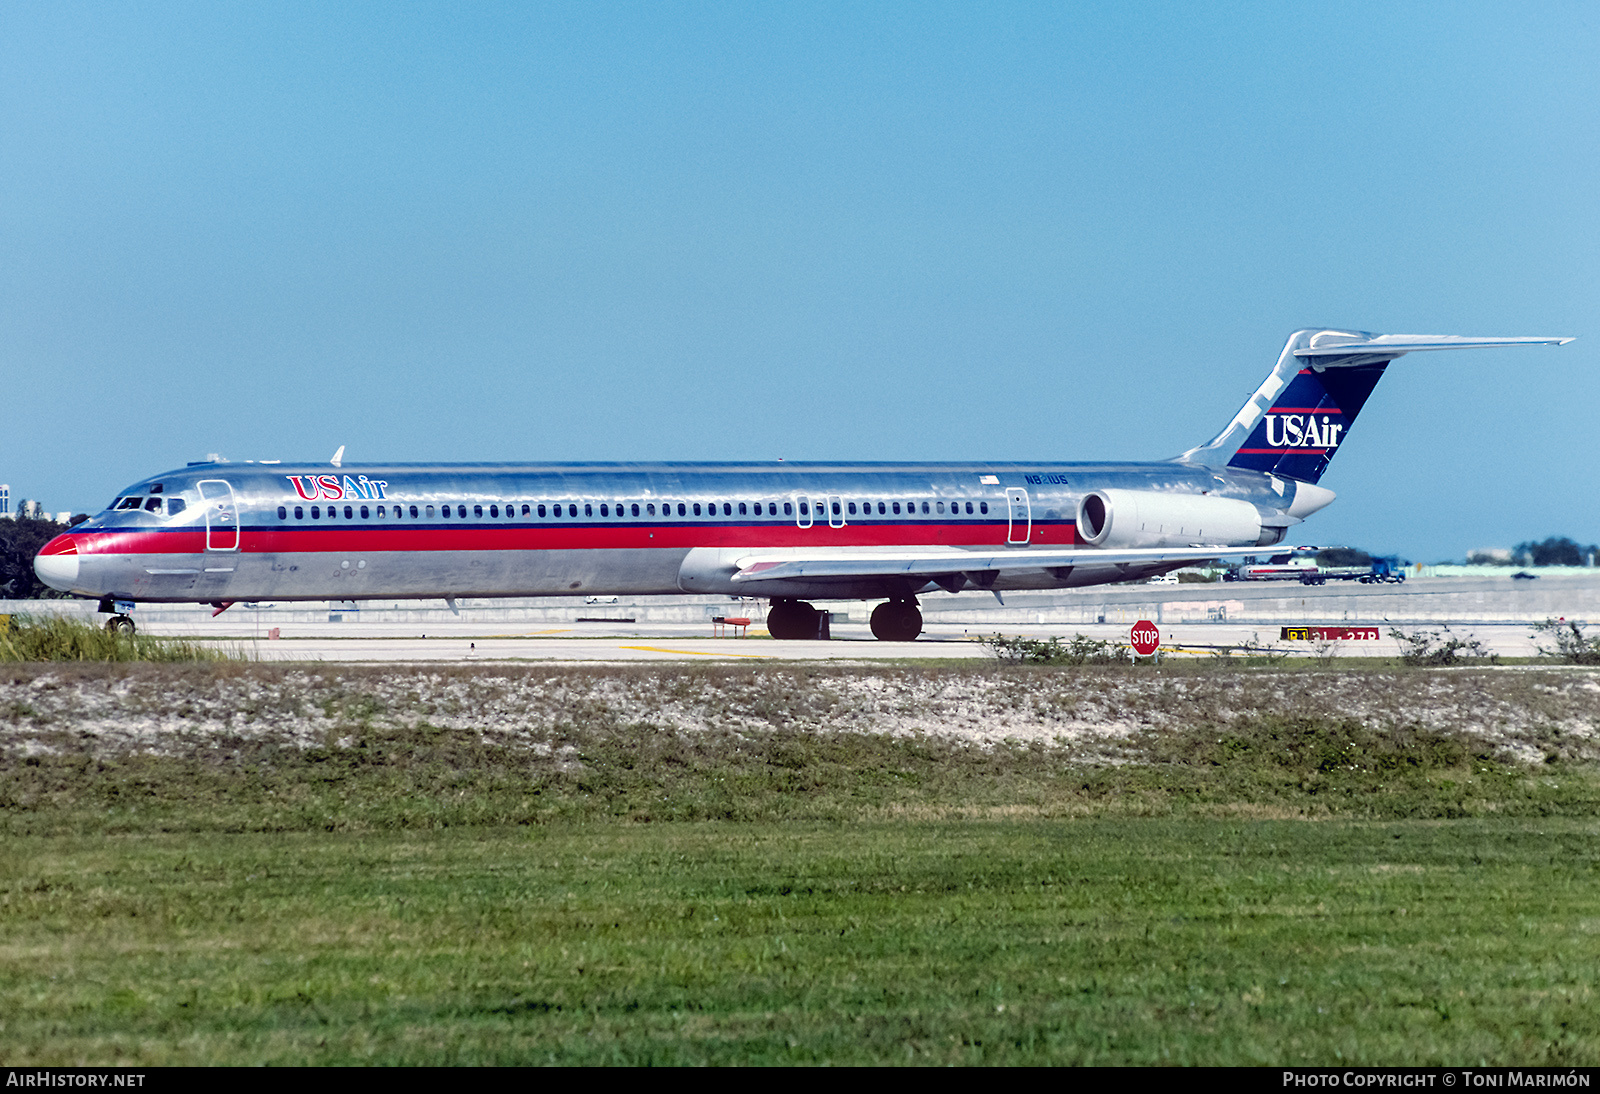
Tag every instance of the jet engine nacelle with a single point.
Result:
(1148, 518)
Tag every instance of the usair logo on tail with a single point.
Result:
(1302, 431)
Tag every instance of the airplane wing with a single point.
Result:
(850, 563)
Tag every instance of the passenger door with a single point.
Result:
(222, 515)
(1020, 510)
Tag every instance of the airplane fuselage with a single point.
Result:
(253, 531)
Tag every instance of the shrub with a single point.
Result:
(1565, 641)
(1081, 650)
(1440, 648)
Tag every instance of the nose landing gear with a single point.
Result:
(119, 623)
(896, 621)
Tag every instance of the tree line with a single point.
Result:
(20, 540)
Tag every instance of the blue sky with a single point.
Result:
(821, 231)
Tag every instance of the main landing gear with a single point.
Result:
(895, 621)
(795, 619)
(120, 624)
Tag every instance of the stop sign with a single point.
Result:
(1145, 638)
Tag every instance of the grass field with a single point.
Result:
(402, 868)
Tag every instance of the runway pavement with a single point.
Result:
(851, 642)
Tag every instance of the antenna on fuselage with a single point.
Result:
(338, 457)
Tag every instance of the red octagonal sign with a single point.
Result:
(1145, 638)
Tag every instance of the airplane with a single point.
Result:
(216, 532)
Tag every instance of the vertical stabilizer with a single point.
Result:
(1302, 412)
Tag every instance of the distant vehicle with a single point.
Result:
(600, 600)
(1301, 565)
(1164, 579)
(1524, 575)
(790, 533)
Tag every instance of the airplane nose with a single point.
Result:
(57, 563)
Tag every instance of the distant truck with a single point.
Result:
(1301, 565)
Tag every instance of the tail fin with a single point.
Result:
(1303, 410)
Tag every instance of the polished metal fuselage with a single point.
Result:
(252, 531)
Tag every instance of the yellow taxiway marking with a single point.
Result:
(694, 653)
(558, 630)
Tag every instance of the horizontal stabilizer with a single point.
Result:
(1389, 346)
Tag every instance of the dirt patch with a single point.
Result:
(1527, 717)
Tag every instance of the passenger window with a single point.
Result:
(316, 512)
(494, 510)
(349, 513)
(588, 510)
(525, 511)
(697, 509)
(969, 508)
(883, 510)
(835, 508)
(283, 513)
(897, 509)
(805, 510)
(299, 513)
(741, 509)
(635, 508)
(541, 510)
(851, 508)
(365, 512)
(983, 506)
(428, 510)
(383, 512)
(477, 511)
(444, 511)
(788, 508)
(414, 511)
(941, 507)
(683, 510)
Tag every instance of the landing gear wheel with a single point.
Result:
(791, 619)
(896, 621)
(120, 624)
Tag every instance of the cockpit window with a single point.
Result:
(153, 505)
(130, 503)
(174, 506)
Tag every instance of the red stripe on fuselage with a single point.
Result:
(347, 538)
